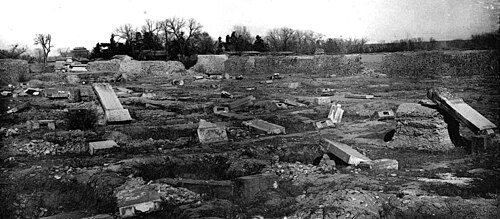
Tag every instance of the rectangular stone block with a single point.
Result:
(345, 152)
(210, 132)
(267, 127)
(380, 164)
(322, 100)
(384, 115)
(249, 186)
(220, 109)
(359, 96)
(94, 147)
(293, 103)
(324, 124)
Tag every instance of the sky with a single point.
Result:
(87, 22)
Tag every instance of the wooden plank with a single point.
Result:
(107, 96)
(462, 112)
(345, 153)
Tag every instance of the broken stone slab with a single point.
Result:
(221, 109)
(266, 127)
(234, 116)
(19, 107)
(281, 105)
(344, 152)
(306, 111)
(324, 124)
(461, 111)
(54, 93)
(242, 103)
(210, 132)
(380, 164)
(335, 114)
(480, 143)
(359, 96)
(303, 119)
(322, 100)
(249, 186)
(385, 115)
(293, 103)
(35, 124)
(98, 146)
(225, 94)
(143, 200)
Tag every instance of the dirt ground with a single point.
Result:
(161, 142)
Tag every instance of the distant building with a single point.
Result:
(80, 52)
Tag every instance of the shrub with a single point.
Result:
(83, 119)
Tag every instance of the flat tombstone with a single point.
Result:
(322, 100)
(94, 147)
(266, 127)
(210, 132)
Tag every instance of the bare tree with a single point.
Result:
(64, 52)
(13, 53)
(280, 39)
(181, 30)
(243, 32)
(125, 32)
(45, 41)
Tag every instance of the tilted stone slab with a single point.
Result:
(345, 152)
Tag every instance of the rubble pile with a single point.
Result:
(41, 147)
(104, 66)
(293, 170)
(169, 195)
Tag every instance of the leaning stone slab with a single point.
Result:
(461, 111)
(112, 107)
(266, 127)
(345, 152)
(336, 113)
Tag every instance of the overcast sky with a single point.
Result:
(87, 22)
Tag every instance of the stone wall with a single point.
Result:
(210, 64)
(13, 70)
(441, 63)
(135, 68)
(344, 65)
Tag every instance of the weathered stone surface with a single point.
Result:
(249, 186)
(210, 132)
(344, 152)
(420, 127)
(266, 127)
(94, 147)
